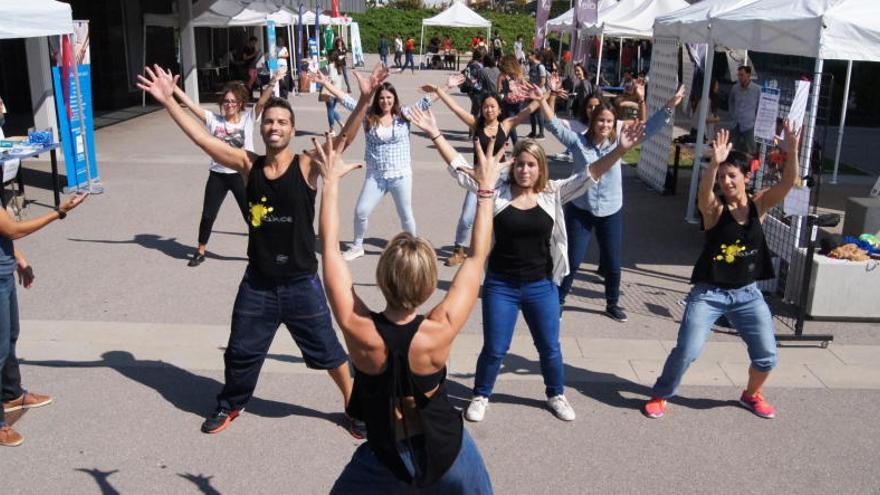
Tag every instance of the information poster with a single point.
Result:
(74, 108)
(768, 112)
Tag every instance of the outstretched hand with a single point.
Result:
(329, 159)
(676, 98)
(424, 120)
(321, 78)
(489, 166)
(639, 88)
(631, 135)
(159, 83)
(280, 73)
(454, 80)
(721, 146)
(792, 137)
(72, 201)
(534, 92)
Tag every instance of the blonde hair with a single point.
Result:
(407, 271)
(536, 150)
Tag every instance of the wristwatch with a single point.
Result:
(61, 213)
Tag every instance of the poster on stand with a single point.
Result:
(73, 105)
(357, 51)
(768, 111)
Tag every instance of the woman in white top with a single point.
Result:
(235, 126)
(528, 260)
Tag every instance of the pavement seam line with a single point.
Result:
(807, 366)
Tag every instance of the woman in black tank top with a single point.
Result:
(735, 255)
(489, 123)
(416, 442)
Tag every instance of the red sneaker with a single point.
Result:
(655, 408)
(757, 405)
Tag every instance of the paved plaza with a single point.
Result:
(129, 341)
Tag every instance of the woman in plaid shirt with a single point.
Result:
(387, 158)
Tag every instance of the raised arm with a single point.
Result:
(194, 107)
(766, 199)
(11, 229)
(322, 79)
(707, 201)
(160, 84)
(426, 122)
(639, 87)
(630, 136)
(268, 91)
(459, 301)
(527, 91)
(457, 109)
(350, 312)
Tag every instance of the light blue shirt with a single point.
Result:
(606, 197)
(743, 105)
(389, 158)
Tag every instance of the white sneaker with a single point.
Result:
(477, 409)
(561, 408)
(353, 252)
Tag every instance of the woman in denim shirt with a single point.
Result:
(387, 157)
(528, 259)
(601, 208)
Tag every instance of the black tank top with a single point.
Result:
(522, 244)
(734, 255)
(500, 139)
(281, 242)
(375, 398)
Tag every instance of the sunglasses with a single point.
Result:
(230, 102)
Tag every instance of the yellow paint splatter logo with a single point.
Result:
(729, 252)
(258, 211)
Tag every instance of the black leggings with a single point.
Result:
(215, 192)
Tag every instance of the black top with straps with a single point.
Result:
(376, 397)
(500, 139)
(522, 244)
(281, 241)
(734, 255)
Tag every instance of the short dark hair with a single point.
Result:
(253, 38)
(276, 102)
(745, 68)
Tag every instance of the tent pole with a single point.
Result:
(599, 58)
(421, 47)
(639, 56)
(144, 48)
(620, 61)
(691, 217)
(849, 65)
(814, 108)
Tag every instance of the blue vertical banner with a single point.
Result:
(73, 106)
(318, 33)
(299, 39)
(273, 47)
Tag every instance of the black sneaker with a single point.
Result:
(531, 135)
(540, 136)
(615, 313)
(196, 259)
(357, 428)
(219, 420)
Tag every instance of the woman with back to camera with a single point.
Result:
(735, 255)
(416, 441)
(528, 259)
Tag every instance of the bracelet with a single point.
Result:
(61, 213)
(486, 193)
(439, 135)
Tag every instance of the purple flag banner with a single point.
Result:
(541, 23)
(299, 39)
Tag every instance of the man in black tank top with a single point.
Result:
(280, 284)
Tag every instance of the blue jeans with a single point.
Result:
(10, 375)
(409, 62)
(579, 225)
(466, 219)
(747, 312)
(261, 306)
(502, 301)
(384, 58)
(365, 474)
(332, 115)
(372, 192)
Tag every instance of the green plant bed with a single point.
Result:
(408, 22)
(631, 157)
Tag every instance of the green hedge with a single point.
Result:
(409, 23)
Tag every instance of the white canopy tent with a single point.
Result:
(34, 18)
(458, 15)
(824, 29)
(565, 23)
(635, 18)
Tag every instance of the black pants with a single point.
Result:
(215, 192)
(511, 110)
(537, 119)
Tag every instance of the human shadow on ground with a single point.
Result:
(284, 358)
(226, 232)
(101, 479)
(185, 390)
(168, 246)
(202, 482)
(607, 388)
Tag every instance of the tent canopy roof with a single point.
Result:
(635, 18)
(458, 15)
(564, 22)
(32, 18)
